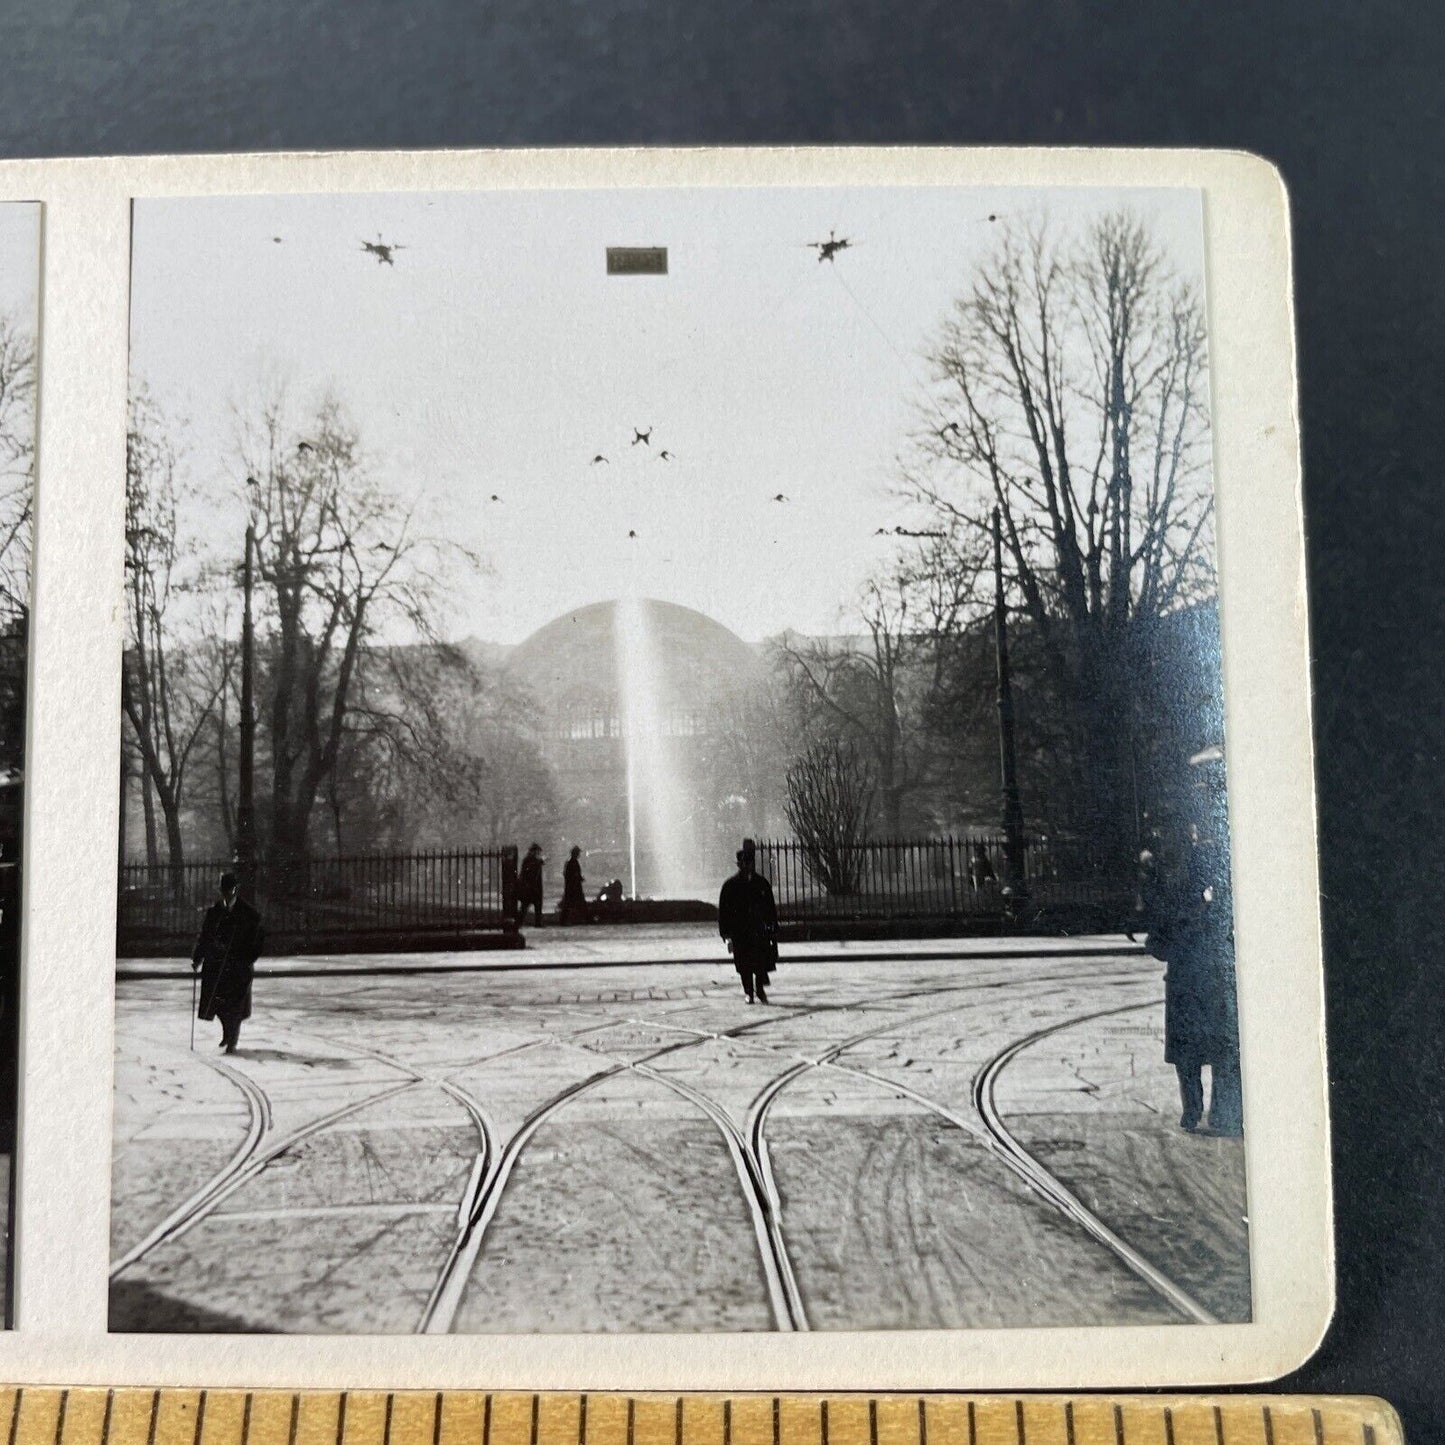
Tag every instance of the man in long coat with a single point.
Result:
(1190, 917)
(748, 922)
(529, 885)
(225, 953)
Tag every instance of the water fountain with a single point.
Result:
(658, 801)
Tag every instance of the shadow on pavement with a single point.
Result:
(137, 1308)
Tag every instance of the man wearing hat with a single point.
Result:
(748, 922)
(226, 954)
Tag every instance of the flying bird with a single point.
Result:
(304, 447)
(599, 458)
(664, 456)
(276, 239)
(780, 498)
(494, 498)
(828, 249)
(632, 536)
(645, 437)
(951, 426)
(383, 250)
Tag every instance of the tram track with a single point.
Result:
(993, 1134)
(789, 1310)
(496, 1158)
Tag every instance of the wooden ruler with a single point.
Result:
(92, 1416)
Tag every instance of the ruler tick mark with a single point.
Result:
(1168, 1426)
(15, 1413)
(581, 1418)
(677, 1423)
(823, 1421)
(728, 1424)
(436, 1419)
(1019, 1420)
(200, 1418)
(972, 1424)
(922, 1421)
(1069, 1422)
(1268, 1427)
(155, 1415)
(536, 1411)
(777, 1421)
(245, 1419)
(872, 1422)
(1218, 1426)
(105, 1420)
(1118, 1425)
(341, 1419)
(295, 1416)
(1369, 1433)
(1318, 1421)
(60, 1416)
(386, 1429)
(631, 1419)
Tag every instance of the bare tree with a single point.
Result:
(881, 688)
(171, 683)
(341, 556)
(1073, 375)
(830, 800)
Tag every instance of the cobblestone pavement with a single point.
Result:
(894, 1142)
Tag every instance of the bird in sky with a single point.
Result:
(276, 240)
(599, 458)
(384, 251)
(304, 447)
(664, 456)
(828, 249)
(947, 427)
(632, 536)
(780, 498)
(494, 498)
(645, 437)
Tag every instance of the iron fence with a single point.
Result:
(956, 876)
(452, 892)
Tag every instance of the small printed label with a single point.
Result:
(637, 260)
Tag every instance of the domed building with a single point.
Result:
(641, 707)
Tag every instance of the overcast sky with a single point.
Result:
(496, 356)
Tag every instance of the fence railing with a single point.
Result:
(917, 878)
(409, 893)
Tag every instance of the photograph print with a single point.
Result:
(673, 768)
(19, 327)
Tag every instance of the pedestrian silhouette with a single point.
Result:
(748, 923)
(225, 954)
(529, 884)
(574, 900)
(1188, 911)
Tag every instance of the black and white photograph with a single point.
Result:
(19, 324)
(673, 769)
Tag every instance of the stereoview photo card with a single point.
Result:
(691, 766)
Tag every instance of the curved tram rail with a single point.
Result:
(747, 1145)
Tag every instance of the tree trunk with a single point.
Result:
(153, 846)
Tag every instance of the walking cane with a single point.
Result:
(195, 984)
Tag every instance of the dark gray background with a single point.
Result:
(1345, 97)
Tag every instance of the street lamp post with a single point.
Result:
(246, 767)
(1015, 880)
